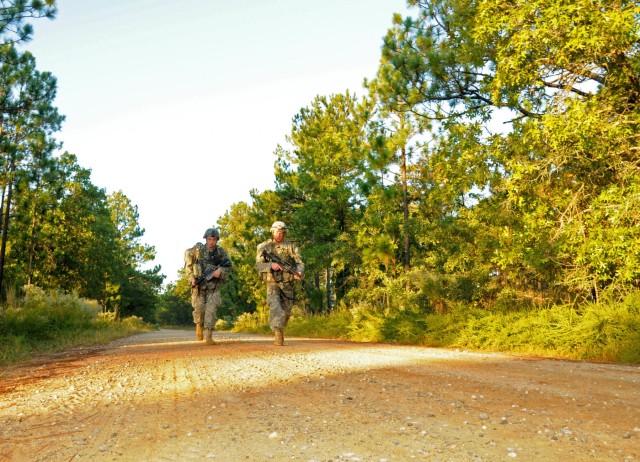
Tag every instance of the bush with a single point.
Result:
(53, 321)
(333, 325)
(257, 322)
(604, 331)
(45, 314)
(222, 324)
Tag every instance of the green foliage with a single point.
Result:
(544, 209)
(14, 14)
(52, 321)
(63, 236)
(444, 330)
(606, 331)
(26, 145)
(175, 305)
(366, 324)
(124, 216)
(44, 315)
(223, 324)
(411, 326)
(139, 294)
(334, 325)
(603, 331)
(72, 246)
(257, 322)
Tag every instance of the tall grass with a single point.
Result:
(605, 331)
(52, 321)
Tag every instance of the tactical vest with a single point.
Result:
(285, 252)
(200, 258)
(209, 258)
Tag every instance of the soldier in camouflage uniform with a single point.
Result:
(280, 283)
(206, 297)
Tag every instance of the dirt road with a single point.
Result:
(162, 396)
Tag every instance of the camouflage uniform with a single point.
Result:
(206, 298)
(280, 284)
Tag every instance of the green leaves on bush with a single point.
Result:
(49, 321)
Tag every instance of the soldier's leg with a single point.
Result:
(197, 302)
(213, 301)
(276, 313)
(287, 303)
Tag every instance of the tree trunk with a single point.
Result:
(5, 223)
(32, 249)
(328, 289)
(405, 211)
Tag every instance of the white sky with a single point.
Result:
(181, 104)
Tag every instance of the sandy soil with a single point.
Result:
(162, 396)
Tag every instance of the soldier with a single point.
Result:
(206, 266)
(280, 278)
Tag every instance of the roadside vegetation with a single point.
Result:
(49, 322)
(607, 331)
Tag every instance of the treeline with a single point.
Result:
(492, 163)
(58, 230)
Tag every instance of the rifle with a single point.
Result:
(208, 274)
(288, 267)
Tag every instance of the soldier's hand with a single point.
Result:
(217, 273)
(275, 266)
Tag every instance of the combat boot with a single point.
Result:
(279, 337)
(207, 337)
(199, 332)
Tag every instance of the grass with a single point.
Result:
(605, 331)
(50, 322)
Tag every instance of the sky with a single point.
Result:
(181, 104)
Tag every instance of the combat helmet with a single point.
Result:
(211, 232)
(278, 225)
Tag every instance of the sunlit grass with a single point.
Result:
(606, 331)
(603, 331)
(50, 322)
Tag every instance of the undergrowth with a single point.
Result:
(608, 330)
(52, 321)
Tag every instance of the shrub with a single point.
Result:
(607, 331)
(257, 322)
(332, 325)
(133, 323)
(222, 324)
(53, 321)
(366, 324)
(105, 319)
